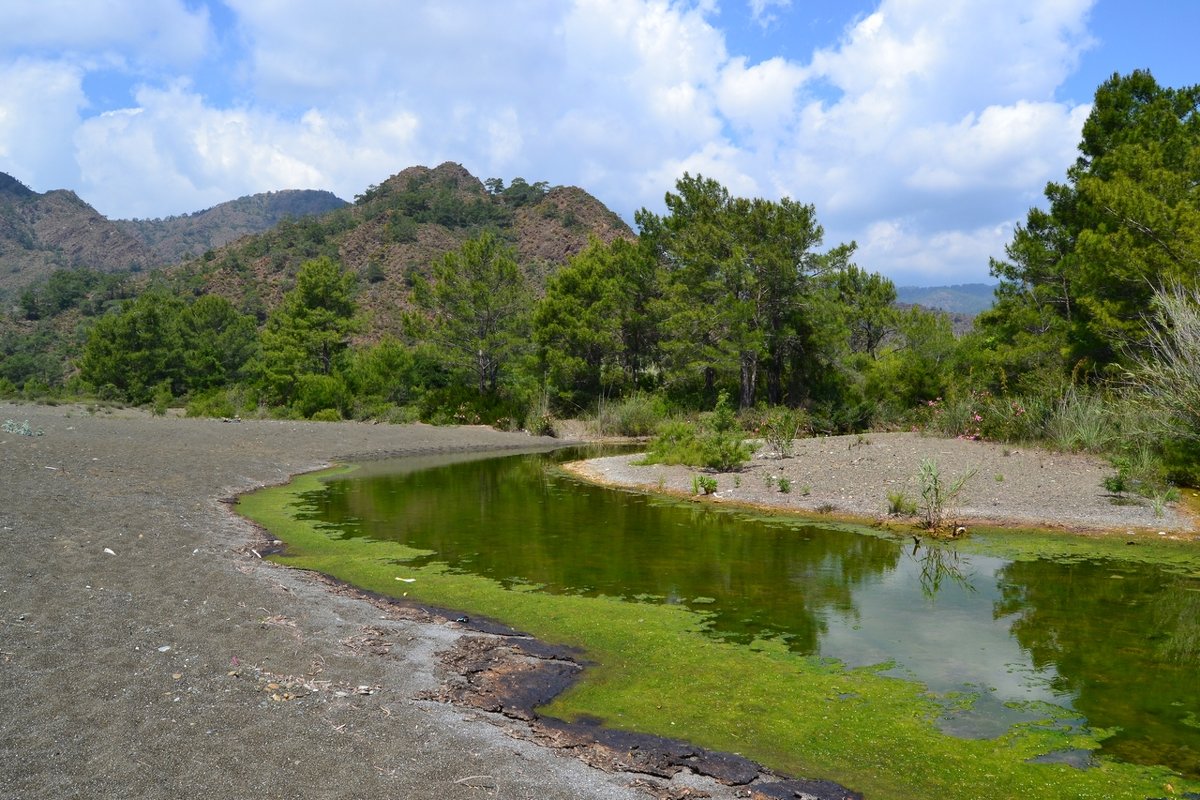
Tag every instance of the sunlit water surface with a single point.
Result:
(1116, 644)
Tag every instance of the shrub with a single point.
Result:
(213, 403)
(781, 427)
(719, 445)
(327, 415)
(704, 484)
(637, 415)
(316, 393)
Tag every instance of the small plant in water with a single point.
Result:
(936, 495)
(703, 484)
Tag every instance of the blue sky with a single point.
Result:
(921, 129)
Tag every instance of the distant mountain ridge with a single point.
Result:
(963, 298)
(42, 232)
(174, 239)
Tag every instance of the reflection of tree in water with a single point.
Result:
(1125, 643)
(940, 563)
(504, 519)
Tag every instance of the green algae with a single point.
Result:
(660, 669)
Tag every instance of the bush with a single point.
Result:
(214, 403)
(781, 427)
(327, 415)
(719, 445)
(316, 393)
(637, 415)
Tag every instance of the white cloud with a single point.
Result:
(174, 154)
(762, 11)
(928, 127)
(39, 111)
(155, 32)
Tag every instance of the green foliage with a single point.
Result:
(637, 415)
(718, 446)
(309, 332)
(212, 403)
(785, 485)
(594, 326)
(137, 349)
(476, 311)
(161, 401)
(736, 277)
(1126, 222)
(780, 429)
(937, 495)
(317, 393)
(704, 484)
(901, 505)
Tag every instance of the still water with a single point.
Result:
(1115, 644)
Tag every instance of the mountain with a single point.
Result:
(174, 239)
(964, 298)
(398, 229)
(40, 233)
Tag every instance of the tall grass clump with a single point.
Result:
(637, 415)
(1083, 421)
(938, 496)
(1166, 375)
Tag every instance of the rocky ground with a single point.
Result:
(854, 476)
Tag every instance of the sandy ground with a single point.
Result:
(854, 475)
(146, 653)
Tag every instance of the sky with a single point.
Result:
(923, 130)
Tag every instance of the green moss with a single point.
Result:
(658, 672)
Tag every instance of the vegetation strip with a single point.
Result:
(658, 673)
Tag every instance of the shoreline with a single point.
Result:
(848, 479)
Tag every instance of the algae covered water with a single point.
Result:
(1095, 642)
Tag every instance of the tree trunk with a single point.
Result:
(749, 380)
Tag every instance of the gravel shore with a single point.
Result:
(852, 476)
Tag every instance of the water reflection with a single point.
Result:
(1120, 646)
(1123, 643)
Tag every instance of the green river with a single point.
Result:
(1009, 663)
